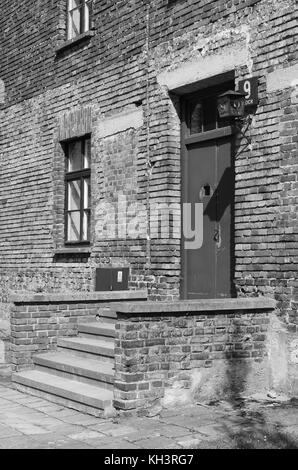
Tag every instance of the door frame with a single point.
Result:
(187, 139)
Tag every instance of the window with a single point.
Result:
(78, 191)
(79, 12)
(202, 110)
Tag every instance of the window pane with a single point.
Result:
(87, 153)
(73, 227)
(196, 119)
(75, 22)
(74, 195)
(87, 16)
(69, 28)
(87, 193)
(86, 225)
(78, 190)
(75, 156)
(210, 113)
(74, 4)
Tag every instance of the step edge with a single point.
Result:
(105, 350)
(60, 390)
(65, 402)
(95, 343)
(98, 331)
(76, 370)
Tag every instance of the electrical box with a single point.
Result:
(107, 279)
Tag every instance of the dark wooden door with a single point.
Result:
(208, 178)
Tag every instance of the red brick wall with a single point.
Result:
(179, 358)
(109, 73)
(36, 328)
(37, 325)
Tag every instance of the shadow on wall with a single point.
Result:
(238, 367)
(260, 430)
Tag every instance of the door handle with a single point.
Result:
(217, 236)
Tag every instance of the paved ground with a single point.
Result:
(30, 422)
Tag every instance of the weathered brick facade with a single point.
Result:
(165, 352)
(119, 84)
(177, 355)
(38, 322)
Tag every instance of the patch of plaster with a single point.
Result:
(4, 327)
(277, 354)
(2, 352)
(227, 379)
(204, 67)
(197, 44)
(132, 119)
(180, 394)
(294, 94)
(294, 351)
(282, 78)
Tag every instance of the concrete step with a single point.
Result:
(76, 394)
(97, 329)
(92, 371)
(88, 347)
(107, 315)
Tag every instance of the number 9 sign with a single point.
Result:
(249, 88)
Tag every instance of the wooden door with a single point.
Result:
(208, 179)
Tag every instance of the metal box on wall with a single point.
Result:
(111, 279)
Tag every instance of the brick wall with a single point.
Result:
(37, 321)
(107, 74)
(165, 353)
(179, 357)
(114, 71)
(36, 328)
(52, 85)
(46, 85)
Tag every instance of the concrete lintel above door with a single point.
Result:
(211, 69)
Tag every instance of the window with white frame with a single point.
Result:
(79, 17)
(78, 190)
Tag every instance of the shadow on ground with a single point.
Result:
(258, 427)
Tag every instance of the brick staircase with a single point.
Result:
(80, 374)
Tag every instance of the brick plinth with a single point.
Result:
(197, 354)
(37, 321)
(122, 84)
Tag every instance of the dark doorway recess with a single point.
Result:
(208, 177)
